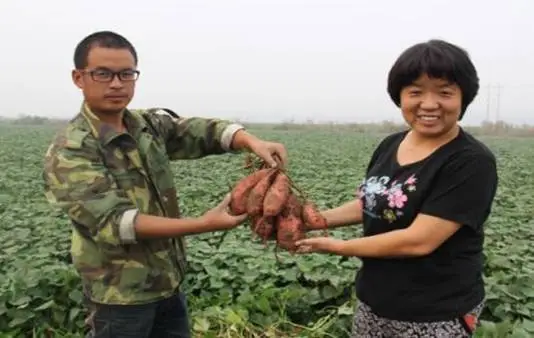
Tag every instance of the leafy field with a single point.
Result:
(238, 289)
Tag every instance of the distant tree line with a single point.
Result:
(499, 128)
(32, 120)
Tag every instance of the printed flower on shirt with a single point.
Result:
(374, 188)
(396, 198)
(371, 188)
(410, 182)
(390, 215)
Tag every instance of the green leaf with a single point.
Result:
(45, 305)
(528, 325)
(21, 301)
(76, 296)
(201, 325)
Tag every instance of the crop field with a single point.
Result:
(237, 288)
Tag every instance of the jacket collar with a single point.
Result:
(104, 132)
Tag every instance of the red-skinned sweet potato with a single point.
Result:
(241, 191)
(293, 206)
(312, 217)
(289, 229)
(255, 199)
(277, 195)
(263, 227)
(277, 209)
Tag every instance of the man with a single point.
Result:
(109, 171)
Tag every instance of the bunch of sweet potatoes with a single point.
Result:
(275, 211)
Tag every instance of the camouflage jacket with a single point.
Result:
(102, 178)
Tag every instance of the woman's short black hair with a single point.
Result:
(437, 59)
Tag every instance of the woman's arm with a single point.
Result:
(461, 196)
(421, 238)
(346, 214)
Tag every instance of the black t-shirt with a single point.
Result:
(457, 182)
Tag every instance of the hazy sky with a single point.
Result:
(265, 60)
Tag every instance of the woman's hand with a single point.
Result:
(320, 244)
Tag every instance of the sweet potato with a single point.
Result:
(254, 204)
(312, 217)
(289, 230)
(293, 206)
(277, 195)
(240, 192)
(277, 209)
(263, 227)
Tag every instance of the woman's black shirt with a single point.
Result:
(458, 183)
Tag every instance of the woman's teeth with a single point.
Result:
(428, 118)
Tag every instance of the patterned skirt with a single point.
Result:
(367, 324)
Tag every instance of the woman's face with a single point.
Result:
(431, 106)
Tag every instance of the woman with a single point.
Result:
(425, 197)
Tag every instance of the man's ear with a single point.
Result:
(77, 78)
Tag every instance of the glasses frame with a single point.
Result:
(119, 74)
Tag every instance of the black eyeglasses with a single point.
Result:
(106, 75)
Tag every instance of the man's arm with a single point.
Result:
(77, 182)
(196, 137)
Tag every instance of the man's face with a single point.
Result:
(104, 91)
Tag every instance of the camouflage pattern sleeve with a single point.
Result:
(77, 182)
(193, 137)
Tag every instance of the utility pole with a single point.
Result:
(497, 113)
(488, 104)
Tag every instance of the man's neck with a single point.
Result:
(114, 119)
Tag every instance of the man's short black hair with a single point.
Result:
(437, 59)
(106, 39)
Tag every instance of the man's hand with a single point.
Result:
(273, 153)
(219, 219)
(216, 219)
